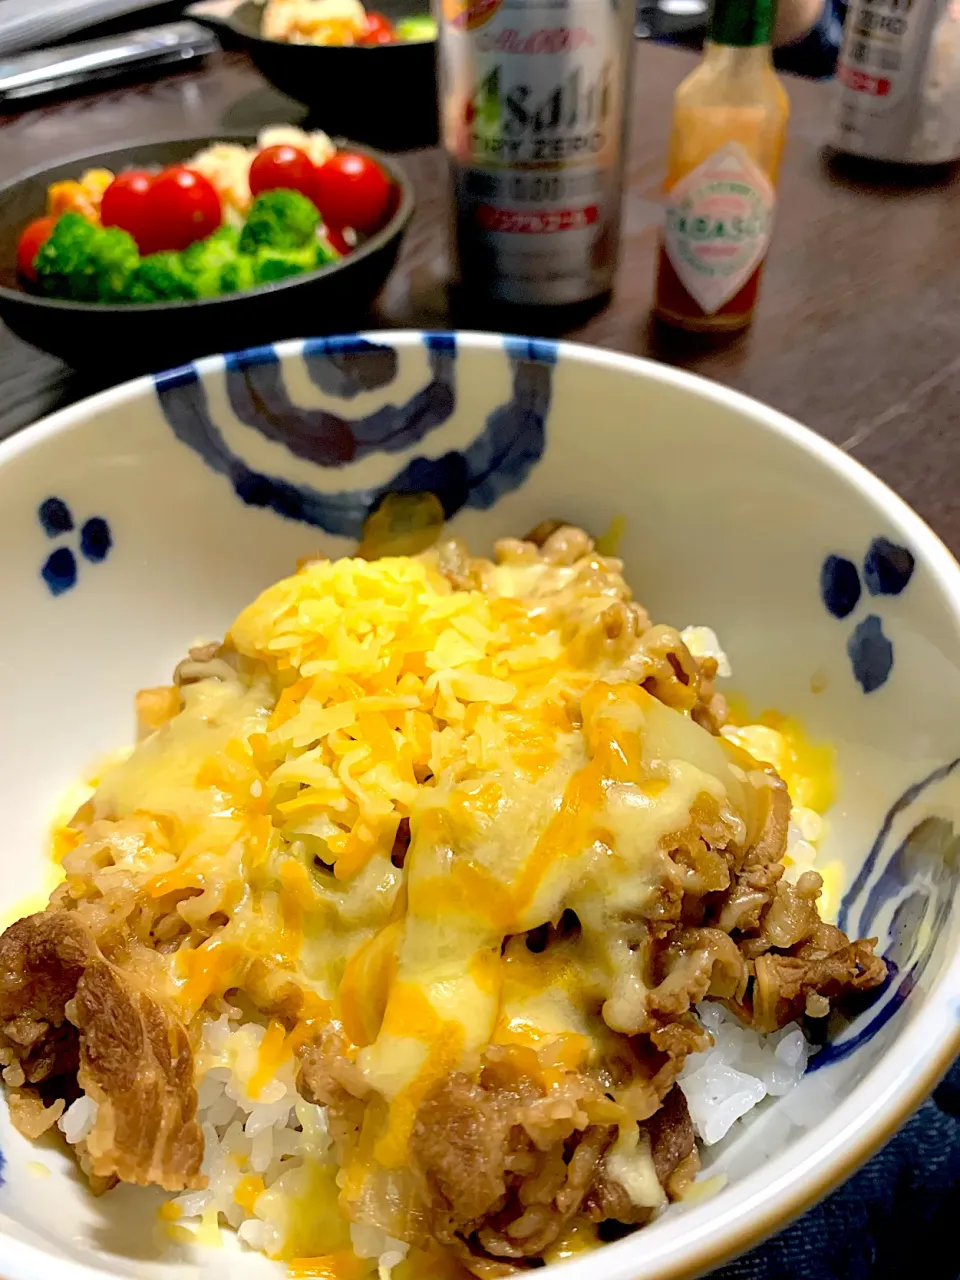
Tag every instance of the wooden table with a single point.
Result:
(858, 329)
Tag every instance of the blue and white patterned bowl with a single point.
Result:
(140, 520)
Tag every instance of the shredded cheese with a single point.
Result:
(403, 780)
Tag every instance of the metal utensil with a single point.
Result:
(28, 75)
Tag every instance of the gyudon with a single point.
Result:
(385, 943)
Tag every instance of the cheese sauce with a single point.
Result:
(386, 785)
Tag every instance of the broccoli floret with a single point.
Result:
(64, 266)
(225, 235)
(205, 261)
(160, 277)
(86, 263)
(237, 275)
(279, 219)
(278, 264)
(118, 258)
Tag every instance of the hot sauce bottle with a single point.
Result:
(729, 124)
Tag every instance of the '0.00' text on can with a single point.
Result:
(533, 96)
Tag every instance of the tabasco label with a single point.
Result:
(719, 220)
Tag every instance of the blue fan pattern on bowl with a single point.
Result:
(887, 569)
(498, 460)
(902, 894)
(59, 570)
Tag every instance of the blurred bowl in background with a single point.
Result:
(135, 338)
(384, 95)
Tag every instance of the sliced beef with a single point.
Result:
(328, 1076)
(672, 1140)
(827, 965)
(696, 963)
(70, 1021)
(755, 878)
(792, 916)
(206, 661)
(673, 1149)
(502, 1170)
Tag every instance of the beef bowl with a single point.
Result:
(444, 840)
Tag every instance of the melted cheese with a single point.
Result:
(630, 1162)
(595, 830)
(267, 819)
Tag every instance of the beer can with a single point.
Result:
(898, 81)
(533, 114)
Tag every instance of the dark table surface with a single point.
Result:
(858, 329)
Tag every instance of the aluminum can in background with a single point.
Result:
(898, 81)
(533, 111)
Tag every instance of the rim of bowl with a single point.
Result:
(392, 228)
(229, 20)
(790, 1182)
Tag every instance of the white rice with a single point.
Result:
(806, 828)
(77, 1121)
(276, 1137)
(741, 1069)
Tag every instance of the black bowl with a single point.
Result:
(385, 95)
(131, 337)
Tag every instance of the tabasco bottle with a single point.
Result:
(729, 123)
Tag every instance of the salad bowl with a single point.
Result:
(126, 338)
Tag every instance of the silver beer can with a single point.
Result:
(533, 114)
(898, 81)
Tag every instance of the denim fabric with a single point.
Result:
(897, 1219)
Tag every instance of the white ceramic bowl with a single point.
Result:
(141, 519)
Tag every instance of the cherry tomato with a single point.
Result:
(352, 191)
(379, 30)
(32, 239)
(126, 204)
(184, 207)
(282, 166)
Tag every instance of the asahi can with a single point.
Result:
(898, 81)
(533, 113)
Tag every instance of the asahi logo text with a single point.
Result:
(510, 119)
(545, 40)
